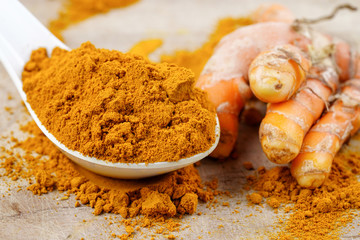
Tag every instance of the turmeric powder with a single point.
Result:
(196, 60)
(312, 207)
(75, 11)
(175, 193)
(314, 214)
(119, 107)
(145, 47)
(184, 186)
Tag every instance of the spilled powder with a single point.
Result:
(196, 60)
(145, 47)
(159, 200)
(50, 170)
(119, 107)
(309, 214)
(320, 213)
(74, 11)
(254, 198)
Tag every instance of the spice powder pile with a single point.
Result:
(119, 107)
(319, 213)
(309, 214)
(51, 170)
(156, 199)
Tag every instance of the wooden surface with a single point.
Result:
(184, 25)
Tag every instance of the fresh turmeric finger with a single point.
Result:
(312, 166)
(225, 75)
(229, 101)
(343, 60)
(285, 124)
(276, 74)
(357, 68)
(346, 59)
(322, 45)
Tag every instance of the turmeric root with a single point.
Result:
(343, 57)
(357, 68)
(312, 166)
(275, 75)
(229, 97)
(285, 124)
(225, 75)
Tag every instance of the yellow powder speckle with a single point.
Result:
(254, 198)
(75, 11)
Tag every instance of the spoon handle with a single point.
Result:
(20, 33)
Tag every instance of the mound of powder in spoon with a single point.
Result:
(119, 107)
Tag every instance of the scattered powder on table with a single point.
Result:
(194, 60)
(157, 199)
(314, 214)
(320, 213)
(56, 171)
(255, 198)
(74, 11)
(248, 165)
(145, 47)
(309, 219)
(119, 107)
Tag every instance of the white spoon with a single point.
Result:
(20, 33)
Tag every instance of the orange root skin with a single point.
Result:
(224, 91)
(288, 122)
(316, 165)
(275, 75)
(224, 76)
(357, 68)
(229, 125)
(312, 166)
(229, 98)
(278, 143)
(343, 60)
(311, 169)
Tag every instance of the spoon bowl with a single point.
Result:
(20, 33)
